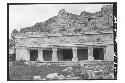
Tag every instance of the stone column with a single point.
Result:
(74, 50)
(40, 55)
(54, 54)
(28, 55)
(90, 53)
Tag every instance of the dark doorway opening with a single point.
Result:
(82, 54)
(98, 53)
(67, 54)
(60, 54)
(33, 55)
(47, 55)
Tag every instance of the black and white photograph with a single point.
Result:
(61, 41)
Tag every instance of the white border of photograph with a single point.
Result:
(120, 40)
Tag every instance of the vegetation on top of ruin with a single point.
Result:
(72, 23)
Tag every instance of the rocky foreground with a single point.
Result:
(48, 71)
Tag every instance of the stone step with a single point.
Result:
(71, 63)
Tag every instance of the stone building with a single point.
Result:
(70, 38)
(71, 47)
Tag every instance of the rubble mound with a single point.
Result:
(72, 23)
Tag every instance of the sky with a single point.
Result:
(21, 16)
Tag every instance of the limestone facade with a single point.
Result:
(25, 45)
(68, 37)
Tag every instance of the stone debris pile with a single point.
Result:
(70, 73)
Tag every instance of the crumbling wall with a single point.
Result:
(109, 56)
(100, 38)
(99, 70)
(22, 54)
(36, 42)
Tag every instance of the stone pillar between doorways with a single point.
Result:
(74, 50)
(90, 53)
(40, 55)
(54, 54)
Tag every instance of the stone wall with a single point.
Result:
(56, 40)
(22, 54)
(109, 53)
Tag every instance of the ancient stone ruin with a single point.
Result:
(65, 47)
(68, 37)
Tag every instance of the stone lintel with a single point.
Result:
(54, 49)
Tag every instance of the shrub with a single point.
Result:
(84, 76)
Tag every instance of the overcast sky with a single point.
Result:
(21, 16)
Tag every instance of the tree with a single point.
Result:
(14, 32)
(11, 43)
(12, 40)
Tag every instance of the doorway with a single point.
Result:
(67, 55)
(98, 53)
(82, 54)
(33, 55)
(47, 55)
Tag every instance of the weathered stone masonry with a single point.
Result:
(26, 44)
(68, 37)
